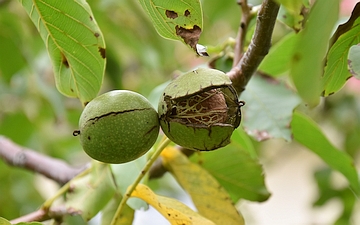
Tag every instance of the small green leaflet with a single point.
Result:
(176, 19)
(74, 42)
(336, 71)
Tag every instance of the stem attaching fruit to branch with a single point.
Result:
(143, 172)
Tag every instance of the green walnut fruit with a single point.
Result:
(118, 126)
(200, 109)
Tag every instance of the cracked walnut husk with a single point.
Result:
(200, 109)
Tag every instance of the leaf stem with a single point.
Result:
(131, 188)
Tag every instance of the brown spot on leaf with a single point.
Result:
(64, 60)
(171, 14)
(297, 57)
(96, 34)
(187, 13)
(190, 36)
(91, 18)
(102, 52)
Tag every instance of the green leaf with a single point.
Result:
(242, 140)
(74, 42)
(353, 61)
(336, 71)
(348, 25)
(90, 193)
(278, 61)
(236, 170)
(307, 133)
(268, 109)
(176, 20)
(310, 49)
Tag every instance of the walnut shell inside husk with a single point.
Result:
(200, 109)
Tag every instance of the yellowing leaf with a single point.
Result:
(3, 221)
(209, 197)
(74, 42)
(174, 211)
(176, 19)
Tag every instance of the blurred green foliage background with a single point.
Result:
(35, 115)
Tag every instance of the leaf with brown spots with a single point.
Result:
(75, 45)
(176, 20)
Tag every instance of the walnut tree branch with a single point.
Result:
(259, 46)
(41, 214)
(246, 17)
(19, 156)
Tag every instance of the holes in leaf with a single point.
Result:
(187, 13)
(102, 52)
(171, 14)
(190, 36)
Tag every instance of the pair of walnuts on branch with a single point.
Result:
(198, 110)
